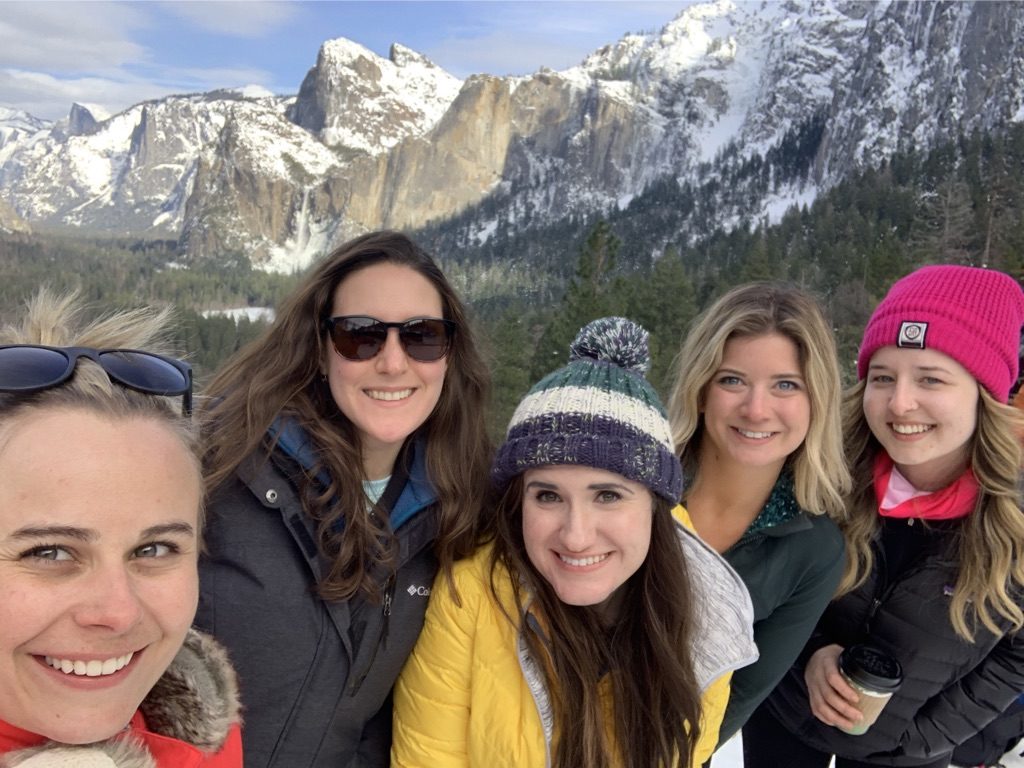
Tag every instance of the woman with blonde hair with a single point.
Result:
(100, 532)
(934, 574)
(347, 461)
(755, 421)
(591, 629)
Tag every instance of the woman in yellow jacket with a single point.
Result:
(592, 629)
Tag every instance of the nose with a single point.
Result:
(392, 358)
(755, 406)
(109, 600)
(903, 398)
(577, 534)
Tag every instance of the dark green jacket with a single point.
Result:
(791, 568)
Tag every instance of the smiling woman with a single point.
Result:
(755, 419)
(347, 462)
(100, 523)
(934, 574)
(590, 628)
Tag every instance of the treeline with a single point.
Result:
(113, 273)
(961, 203)
(531, 290)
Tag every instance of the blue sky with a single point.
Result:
(115, 54)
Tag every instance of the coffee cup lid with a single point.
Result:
(871, 667)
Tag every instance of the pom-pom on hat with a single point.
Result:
(973, 315)
(598, 411)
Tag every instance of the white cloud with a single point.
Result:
(234, 18)
(70, 37)
(55, 53)
(49, 97)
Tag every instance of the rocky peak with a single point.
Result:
(358, 101)
(81, 121)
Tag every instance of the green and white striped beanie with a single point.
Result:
(598, 411)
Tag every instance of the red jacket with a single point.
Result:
(166, 750)
(195, 699)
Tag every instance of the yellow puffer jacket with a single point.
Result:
(470, 695)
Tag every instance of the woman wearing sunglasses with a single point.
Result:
(347, 460)
(100, 522)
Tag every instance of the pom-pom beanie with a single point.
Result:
(973, 315)
(598, 411)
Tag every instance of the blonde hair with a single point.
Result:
(990, 547)
(60, 321)
(756, 309)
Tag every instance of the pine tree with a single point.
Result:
(593, 292)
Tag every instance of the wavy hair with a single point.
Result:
(279, 374)
(656, 698)
(757, 309)
(990, 547)
(61, 321)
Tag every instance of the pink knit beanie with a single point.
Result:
(973, 315)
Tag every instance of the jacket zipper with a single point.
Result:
(382, 637)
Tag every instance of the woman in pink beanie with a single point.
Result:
(934, 579)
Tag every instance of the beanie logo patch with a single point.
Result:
(912, 335)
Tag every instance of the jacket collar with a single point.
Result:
(416, 493)
(195, 702)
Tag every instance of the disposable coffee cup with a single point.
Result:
(875, 676)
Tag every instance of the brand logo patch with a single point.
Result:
(421, 591)
(912, 335)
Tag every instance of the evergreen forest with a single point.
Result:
(659, 260)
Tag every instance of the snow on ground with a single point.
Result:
(251, 313)
(731, 755)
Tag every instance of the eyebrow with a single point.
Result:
(89, 535)
(592, 487)
(920, 368)
(173, 529)
(744, 373)
(54, 531)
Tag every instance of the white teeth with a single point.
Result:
(93, 668)
(377, 394)
(754, 435)
(579, 562)
(910, 429)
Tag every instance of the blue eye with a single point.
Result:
(157, 549)
(50, 552)
(789, 386)
(730, 381)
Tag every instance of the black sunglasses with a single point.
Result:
(26, 368)
(358, 337)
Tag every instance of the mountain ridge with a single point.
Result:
(371, 142)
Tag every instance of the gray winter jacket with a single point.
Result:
(315, 676)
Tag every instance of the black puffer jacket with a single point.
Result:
(315, 676)
(951, 688)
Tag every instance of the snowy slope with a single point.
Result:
(372, 142)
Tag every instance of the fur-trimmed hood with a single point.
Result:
(195, 702)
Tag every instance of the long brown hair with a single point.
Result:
(656, 698)
(279, 374)
(990, 547)
(757, 309)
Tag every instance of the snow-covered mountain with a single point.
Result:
(370, 142)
